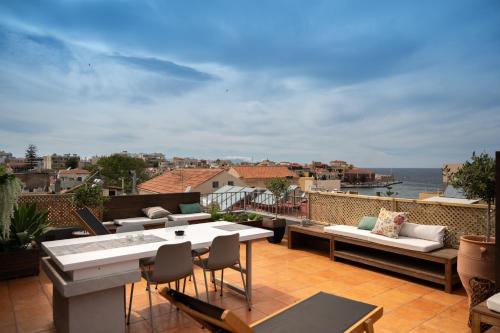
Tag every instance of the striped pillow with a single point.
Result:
(155, 212)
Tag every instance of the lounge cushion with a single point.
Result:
(430, 232)
(367, 222)
(408, 243)
(190, 208)
(189, 217)
(155, 212)
(389, 223)
(140, 220)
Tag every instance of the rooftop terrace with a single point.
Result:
(281, 277)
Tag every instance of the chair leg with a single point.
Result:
(244, 287)
(150, 303)
(213, 280)
(206, 284)
(184, 286)
(130, 303)
(194, 283)
(221, 281)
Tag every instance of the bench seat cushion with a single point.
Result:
(142, 220)
(408, 243)
(189, 217)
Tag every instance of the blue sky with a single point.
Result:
(376, 83)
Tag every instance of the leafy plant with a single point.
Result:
(213, 210)
(89, 196)
(31, 156)
(477, 179)
(229, 217)
(278, 187)
(10, 190)
(27, 224)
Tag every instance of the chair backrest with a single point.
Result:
(129, 228)
(224, 251)
(94, 226)
(211, 317)
(173, 262)
(170, 224)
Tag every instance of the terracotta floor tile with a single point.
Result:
(7, 318)
(8, 328)
(281, 277)
(445, 324)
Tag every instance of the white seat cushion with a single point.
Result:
(140, 220)
(189, 217)
(408, 243)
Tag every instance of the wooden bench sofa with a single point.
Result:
(438, 266)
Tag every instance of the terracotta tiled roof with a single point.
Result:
(178, 180)
(74, 172)
(356, 170)
(258, 172)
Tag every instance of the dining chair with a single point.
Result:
(173, 262)
(224, 253)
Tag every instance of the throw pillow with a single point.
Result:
(367, 222)
(190, 208)
(433, 233)
(155, 212)
(389, 223)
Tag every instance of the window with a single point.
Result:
(215, 184)
(230, 183)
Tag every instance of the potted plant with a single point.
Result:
(278, 187)
(10, 190)
(476, 254)
(19, 255)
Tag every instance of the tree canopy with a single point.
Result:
(115, 167)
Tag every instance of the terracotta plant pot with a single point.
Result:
(476, 258)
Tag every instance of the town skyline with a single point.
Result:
(392, 85)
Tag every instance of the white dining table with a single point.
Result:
(82, 267)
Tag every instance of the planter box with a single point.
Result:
(19, 263)
(256, 224)
(278, 226)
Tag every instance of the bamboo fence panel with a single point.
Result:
(347, 209)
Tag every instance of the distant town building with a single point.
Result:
(5, 157)
(71, 178)
(18, 164)
(58, 162)
(34, 181)
(258, 176)
(188, 162)
(356, 175)
(188, 180)
(153, 159)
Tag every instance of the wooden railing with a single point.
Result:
(460, 219)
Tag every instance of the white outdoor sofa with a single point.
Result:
(413, 256)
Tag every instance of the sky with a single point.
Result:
(375, 83)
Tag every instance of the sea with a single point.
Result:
(414, 181)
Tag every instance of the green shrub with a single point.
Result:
(27, 224)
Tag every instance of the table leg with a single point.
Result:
(248, 268)
(476, 322)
